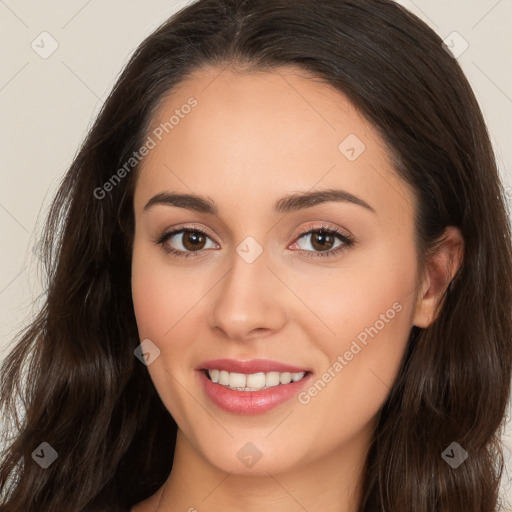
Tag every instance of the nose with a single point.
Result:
(249, 302)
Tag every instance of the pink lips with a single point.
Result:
(249, 366)
(250, 402)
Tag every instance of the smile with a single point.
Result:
(253, 381)
(250, 387)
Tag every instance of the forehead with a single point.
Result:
(267, 133)
(286, 105)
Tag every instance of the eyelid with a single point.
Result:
(325, 227)
(302, 231)
(185, 227)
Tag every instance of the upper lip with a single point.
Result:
(249, 366)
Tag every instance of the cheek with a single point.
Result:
(370, 315)
(149, 292)
(159, 294)
(364, 292)
(160, 310)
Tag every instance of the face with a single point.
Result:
(296, 256)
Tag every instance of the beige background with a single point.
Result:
(47, 105)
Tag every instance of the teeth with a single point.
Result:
(224, 378)
(272, 379)
(256, 380)
(237, 380)
(253, 381)
(285, 378)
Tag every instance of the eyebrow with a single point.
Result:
(286, 204)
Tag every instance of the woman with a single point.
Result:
(279, 278)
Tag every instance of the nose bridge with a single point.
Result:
(247, 299)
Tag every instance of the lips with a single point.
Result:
(251, 401)
(250, 366)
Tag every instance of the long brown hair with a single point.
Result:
(73, 370)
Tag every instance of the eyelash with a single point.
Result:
(347, 242)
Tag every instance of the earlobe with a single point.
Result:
(441, 269)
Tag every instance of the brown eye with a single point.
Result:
(193, 240)
(186, 242)
(322, 241)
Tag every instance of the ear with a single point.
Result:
(440, 269)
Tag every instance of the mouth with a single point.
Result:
(250, 387)
(253, 381)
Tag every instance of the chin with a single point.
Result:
(248, 455)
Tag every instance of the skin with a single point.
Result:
(252, 139)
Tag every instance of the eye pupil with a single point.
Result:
(194, 238)
(321, 239)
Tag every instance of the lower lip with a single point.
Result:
(250, 402)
